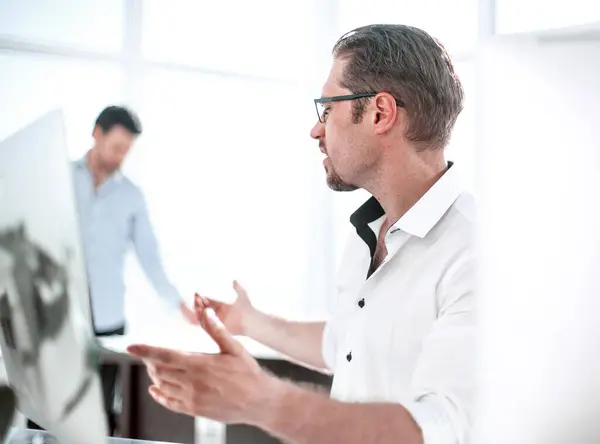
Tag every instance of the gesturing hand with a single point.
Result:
(228, 387)
(234, 316)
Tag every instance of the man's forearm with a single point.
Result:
(300, 416)
(301, 341)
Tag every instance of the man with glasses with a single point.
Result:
(400, 342)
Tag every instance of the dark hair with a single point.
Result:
(414, 68)
(112, 116)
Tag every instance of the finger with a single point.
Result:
(169, 402)
(199, 306)
(238, 288)
(161, 376)
(150, 369)
(217, 331)
(158, 355)
(157, 370)
(168, 374)
(202, 302)
(171, 389)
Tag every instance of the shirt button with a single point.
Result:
(349, 357)
(361, 303)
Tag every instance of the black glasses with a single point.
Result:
(320, 103)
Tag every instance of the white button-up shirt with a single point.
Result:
(406, 333)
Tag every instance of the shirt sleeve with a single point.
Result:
(147, 250)
(444, 378)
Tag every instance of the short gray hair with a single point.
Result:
(414, 68)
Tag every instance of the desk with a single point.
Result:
(142, 418)
(24, 436)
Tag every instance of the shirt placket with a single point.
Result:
(397, 239)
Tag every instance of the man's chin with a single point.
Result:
(111, 167)
(336, 183)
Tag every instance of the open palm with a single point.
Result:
(234, 316)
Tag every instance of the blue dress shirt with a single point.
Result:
(113, 217)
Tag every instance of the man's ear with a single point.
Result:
(97, 132)
(386, 112)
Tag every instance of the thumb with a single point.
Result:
(217, 331)
(241, 291)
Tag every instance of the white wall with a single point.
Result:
(539, 241)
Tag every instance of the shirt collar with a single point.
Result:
(82, 165)
(422, 216)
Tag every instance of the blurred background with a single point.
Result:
(224, 91)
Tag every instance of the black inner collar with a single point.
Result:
(368, 212)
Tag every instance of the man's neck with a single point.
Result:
(99, 174)
(400, 185)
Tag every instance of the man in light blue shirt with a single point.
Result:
(113, 217)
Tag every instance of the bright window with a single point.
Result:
(458, 34)
(270, 38)
(235, 186)
(532, 15)
(224, 165)
(33, 85)
(82, 24)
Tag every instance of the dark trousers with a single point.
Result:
(109, 374)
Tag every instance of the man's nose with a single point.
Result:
(318, 131)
